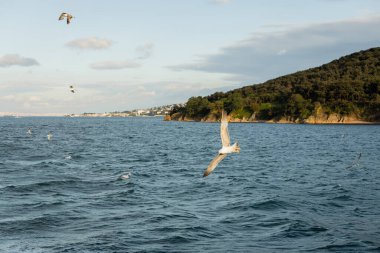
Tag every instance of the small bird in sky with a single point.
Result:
(67, 16)
(226, 147)
(29, 130)
(49, 136)
(72, 89)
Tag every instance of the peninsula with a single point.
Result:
(346, 90)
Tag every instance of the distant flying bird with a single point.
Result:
(72, 89)
(356, 163)
(67, 16)
(49, 136)
(226, 147)
(29, 131)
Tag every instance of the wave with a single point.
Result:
(347, 247)
(47, 221)
(300, 228)
(270, 198)
(44, 185)
(271, 205)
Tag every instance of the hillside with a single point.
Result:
(342, 91)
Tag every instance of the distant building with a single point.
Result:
(154, 111)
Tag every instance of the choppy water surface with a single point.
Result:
(289, 190)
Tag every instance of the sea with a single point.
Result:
(292, 188)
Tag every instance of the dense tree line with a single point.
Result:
(347, 86)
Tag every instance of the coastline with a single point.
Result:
(331, 120)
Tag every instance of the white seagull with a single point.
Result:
(356, 163)
(226, 147)
(125, 176)
(29, 131)
(49, 136)
(67, 16)
(72, 89)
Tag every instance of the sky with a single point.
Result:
(132, 54)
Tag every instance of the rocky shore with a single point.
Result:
(318, 119)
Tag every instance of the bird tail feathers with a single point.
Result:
(236, 148)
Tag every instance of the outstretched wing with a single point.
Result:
(68, 19)
(63, 15)
(356, 163)
(224, 130)
(213, 164)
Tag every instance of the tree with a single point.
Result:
(234, 102)
(197, 107)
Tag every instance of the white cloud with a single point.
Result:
(220, 1)
(281, 52)
(269, 55)
(14, 59)
(145, 51)
(104, 65)
(145, 92)
(90, 43)
(25, 100)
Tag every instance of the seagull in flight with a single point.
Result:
(72, 89)
(49, 136)
(226, 145)
(356, 163)
(67, 16)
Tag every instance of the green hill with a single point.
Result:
(346, 88)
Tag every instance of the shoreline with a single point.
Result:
(343, 121)
(289, 123)
(208, 120)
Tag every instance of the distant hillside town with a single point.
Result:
(150, 112)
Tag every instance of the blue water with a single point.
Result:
(289, 190)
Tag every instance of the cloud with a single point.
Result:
(220, 2)
(168, 92)
(90, 43)
(269, 55)
(127, 95)
(282, 51)
(108, 65)
(145, 51)
(145, 92)
(26, 101)
(14, 59)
